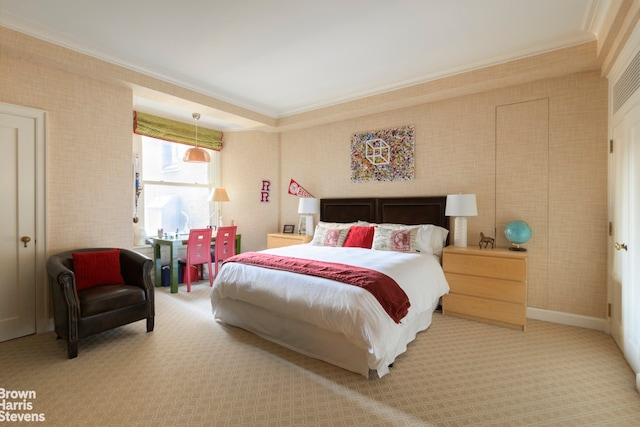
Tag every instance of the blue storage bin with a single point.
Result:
(165, 276)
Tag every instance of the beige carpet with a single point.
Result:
(191, 371)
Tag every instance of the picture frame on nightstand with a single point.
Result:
(288, 228)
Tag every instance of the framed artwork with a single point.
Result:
(288, 228)
(383, 155)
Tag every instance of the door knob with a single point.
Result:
(25, 240)
(619, 246)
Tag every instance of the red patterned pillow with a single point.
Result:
(399, 239)
(325, 236)
(333, 237)
(360, 237)
(97, 268)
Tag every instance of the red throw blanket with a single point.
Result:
(388, 293)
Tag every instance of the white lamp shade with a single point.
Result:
(219, 194)
(461, 205)
(308, 205)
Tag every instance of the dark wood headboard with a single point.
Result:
(396, 210)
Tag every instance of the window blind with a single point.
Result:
(174, 131)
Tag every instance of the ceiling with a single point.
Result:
(283, 57)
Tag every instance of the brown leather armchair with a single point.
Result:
(78, 314)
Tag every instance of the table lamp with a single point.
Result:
(218, 195)
(461, 206)
(307, 208)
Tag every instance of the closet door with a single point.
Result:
(624, 296)
(624, 202)
(522, 184)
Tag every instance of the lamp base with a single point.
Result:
(460, 236)
(305, 226)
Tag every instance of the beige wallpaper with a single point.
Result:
(89, 152)
(248, 159)
(552, 172)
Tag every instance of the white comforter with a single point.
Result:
(349, 310)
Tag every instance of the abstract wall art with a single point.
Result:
(383, 155)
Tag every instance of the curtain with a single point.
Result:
(171, 130)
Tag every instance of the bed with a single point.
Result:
(347, 326)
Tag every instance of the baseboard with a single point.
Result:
(566, 318)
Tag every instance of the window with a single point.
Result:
(175, 193)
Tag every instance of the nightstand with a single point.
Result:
(278, 240)
(488, 285)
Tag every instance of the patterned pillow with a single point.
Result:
(398, 239)
(325, 236)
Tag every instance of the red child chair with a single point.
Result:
(225, 246)
(198, 254)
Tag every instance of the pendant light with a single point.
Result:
(196, 154)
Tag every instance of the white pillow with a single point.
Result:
(438, 239)
(423, 239)
(340, 225)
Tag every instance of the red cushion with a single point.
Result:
(97, 268)
(359, 237)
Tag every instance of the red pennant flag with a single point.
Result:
(297, 190)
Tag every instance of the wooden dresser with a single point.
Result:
(278, 240)
(488, 285)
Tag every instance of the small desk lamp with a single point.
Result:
(218, 195)
(307, 208)
(461, 206)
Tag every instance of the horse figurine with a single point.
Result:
(486, 240)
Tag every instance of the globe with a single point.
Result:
(517, 232)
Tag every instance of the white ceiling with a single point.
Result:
(281, 57)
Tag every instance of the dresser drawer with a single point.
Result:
(486, 266)
(485, 287)
(491, 311)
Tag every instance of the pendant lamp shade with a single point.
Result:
(196, 154)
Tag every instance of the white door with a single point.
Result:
(18, 226)
(619, 167)
(625, 239)
(632, 336)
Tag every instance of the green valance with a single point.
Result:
(171, 130)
